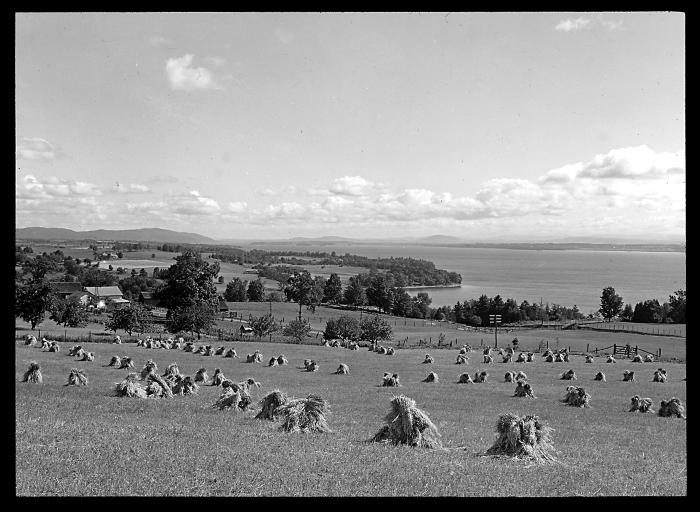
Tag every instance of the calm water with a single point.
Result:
(561, 277)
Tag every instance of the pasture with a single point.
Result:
(84, 441)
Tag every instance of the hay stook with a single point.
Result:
(33, 373)
(407, 425)
(523, 438)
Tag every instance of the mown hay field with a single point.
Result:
(84, 441)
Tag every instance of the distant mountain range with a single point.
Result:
(131, 235)
(169, 236)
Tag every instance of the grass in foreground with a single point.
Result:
(83, 441)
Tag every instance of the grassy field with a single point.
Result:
(83, 441)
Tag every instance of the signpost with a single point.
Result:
(495, 320)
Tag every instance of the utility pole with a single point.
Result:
(495, 319)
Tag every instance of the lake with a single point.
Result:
(563, 277)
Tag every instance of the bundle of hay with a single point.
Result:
(500, 352)
(189, 347)
(29, 339)
(672, 407)
(659, 375)
(140, 342)
(377, 347)
(325, 343)
(509, 377)
(568, 375)
(628, 376)
(172, 371)
(600, 376)
(117, 340)
(304, 415)
(79, 353)
(166, 345)
(390, 380)
(488, 359)
(521, 376)
(147, 344)
(649, 358)
(248, 383)
(130, 387)
(524, 390)
(549, 358)
(481, 376)
(428, 359)
(231, 398)
(255, 357)
(272, 361)
(231, 353)
(312, 366)
(558, 358)
(201, 376)
(335, 343)
(355, 346)
(406, 424)
(148, 367)
(576, 397)
(77, 378)
(158, 387)
(462, 359)
(155, 344)
(641, 404)
(220, 351)
(76, 350)
(185, 385)
(33, 373)
(382, 350)
(209, 351)
(589, 359)
(507, 357)
(88, 356)
(487, 351)
(637, 359)
(270, 404)
(177, 345)
(281, 360)
(523, 438)
(611, 359)
(432, 377)
(463, 350)
(390, 351)
(547, 353)
(55, 347)
(126, 363)
(218, 377)
(343, 369)
(465, 378)
(509, 350)
(522, 358)
(115, 361)
(530, 357)
(45, 344)
(371, 347)
(565, 357)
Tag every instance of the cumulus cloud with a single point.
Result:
(237, 207)
(35, 148)
(31, 187)
(632, 163)
(351, 186)
(184, 77)
(569, 25)
(194, 203)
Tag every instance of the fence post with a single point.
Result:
(547, 344)
(596, 351)
(636, 350)
(614, 349)
(659, 352)
(586, 347)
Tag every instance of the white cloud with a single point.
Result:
(237, 207)
(351, 186)
(194, 204)
(612, 25)
(31, 187)
(35, 148)
(569, 25)
(182, 76)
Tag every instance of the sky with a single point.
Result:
(483, 126)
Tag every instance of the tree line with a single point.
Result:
(613, 307)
